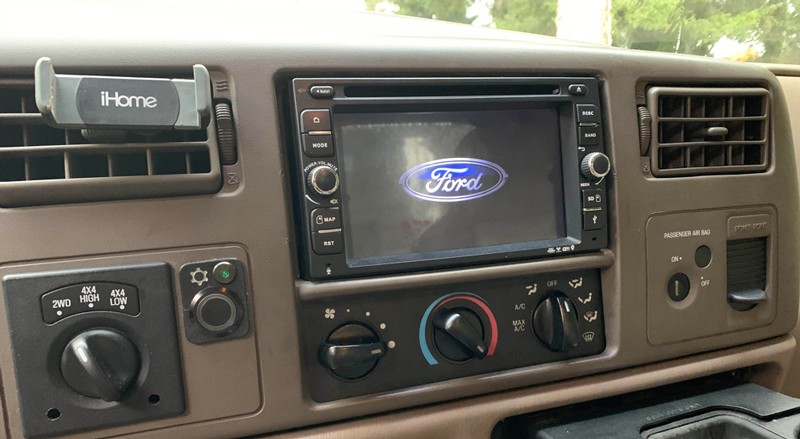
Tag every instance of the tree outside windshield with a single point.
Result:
(743, 30)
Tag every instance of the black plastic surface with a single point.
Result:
(583, 231)
(38, 349)
(404, 320)
(714, 407)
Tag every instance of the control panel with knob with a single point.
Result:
(323, 180)
(555, 322)
(595, 166)
(94, 347)
(351, 351)
(400, 338)
(214, 300)
(100, 363)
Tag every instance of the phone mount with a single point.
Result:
(113, 102)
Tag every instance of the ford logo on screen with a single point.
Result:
(452, 180)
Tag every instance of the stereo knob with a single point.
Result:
(458, 334)
(100, 363)
(555, 322)
(323, 180)
(351, 351)
(595, 166)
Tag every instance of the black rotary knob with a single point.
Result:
(555, 322)
(100, 363)
(595, 166)
(458, 334)
(323, 180)
(351, 351)
(216, 310)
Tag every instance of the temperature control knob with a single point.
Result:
(595, 166)
(100, 363)
(351, 351)
(458, 334)
(323, 180)
(555, 322)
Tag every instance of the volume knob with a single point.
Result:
(323, 180)
(595, 166)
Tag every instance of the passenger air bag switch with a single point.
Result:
(678, 287)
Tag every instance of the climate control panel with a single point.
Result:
(388, 340)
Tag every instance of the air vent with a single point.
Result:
(698, 131)
(44, 165)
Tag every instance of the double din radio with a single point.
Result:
(412, 174)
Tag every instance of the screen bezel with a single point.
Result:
(569, 173)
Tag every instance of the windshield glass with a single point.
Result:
(743, 30)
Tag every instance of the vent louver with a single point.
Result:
(44, 165)
(698, 131)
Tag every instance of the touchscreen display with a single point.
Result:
(415, 183)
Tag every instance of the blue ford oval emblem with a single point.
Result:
(452, 180)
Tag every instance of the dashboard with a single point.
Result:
(233, 221)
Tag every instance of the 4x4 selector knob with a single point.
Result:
(100, 363)
(595, 166)
(458, 334)
(323, 180)
(351, 351)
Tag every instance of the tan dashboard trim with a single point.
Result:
(476, 417)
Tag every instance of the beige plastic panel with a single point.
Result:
(259, 50)
(476, 417)
(791, 88)
(671, 243)
(220, 379)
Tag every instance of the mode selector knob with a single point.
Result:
(595, 166)
(323, 180)
(555, 322)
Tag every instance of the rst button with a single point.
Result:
(327, 243)
(325, 219)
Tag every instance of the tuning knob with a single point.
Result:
(458, 334)
(351, 351)
(555, 322)
(595, 166)
(323, 180)
(100, 363)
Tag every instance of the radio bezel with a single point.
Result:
(555, 92)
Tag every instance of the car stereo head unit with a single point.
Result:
(414, 174)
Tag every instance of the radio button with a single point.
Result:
(318, 146)
(588, 113)
(594, 219)
(592, 198)
(327, 243)
(322, 92)
(577, 89)
(325, 219)
(588, 136)
(315, 120)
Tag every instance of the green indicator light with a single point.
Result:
(225, 273)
